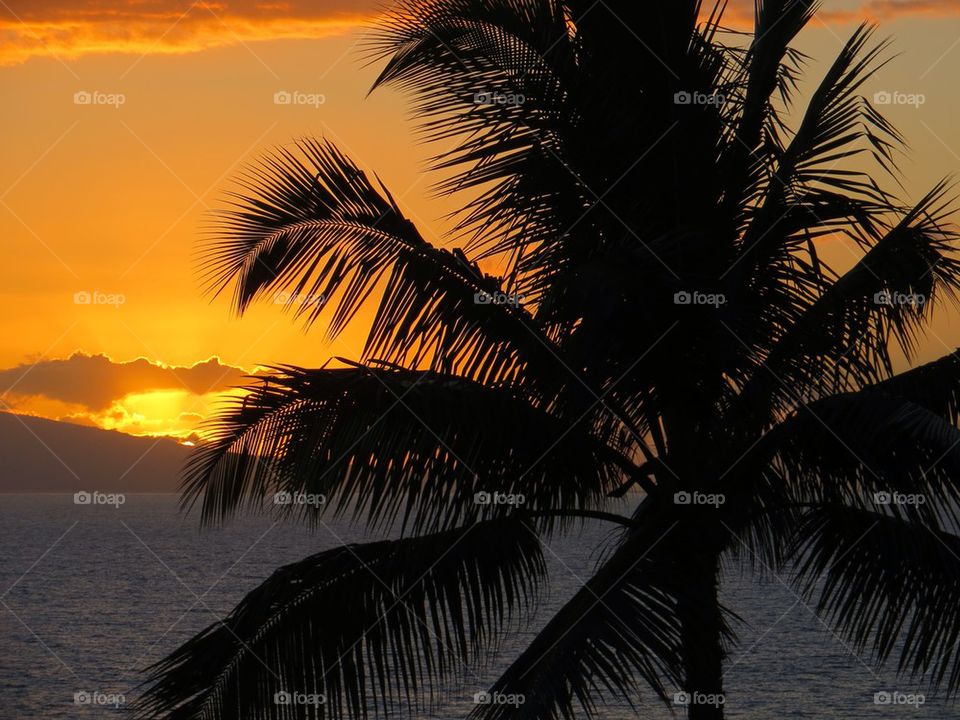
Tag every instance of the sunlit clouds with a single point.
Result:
(740, 13)
(882, 10)
(68, 29)
(137, 397)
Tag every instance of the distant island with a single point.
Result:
(46, 456)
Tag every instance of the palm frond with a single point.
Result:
(866, 450)
(497, 78)
(777, 23)
(312, 230)
(837, 125)
(888, 586)
(841, 341)
(616, 639)
(360, 628)
(777, 268)
(934, 386)
(392, 445)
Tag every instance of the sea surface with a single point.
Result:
(91, 595)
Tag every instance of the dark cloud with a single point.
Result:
(96, 381)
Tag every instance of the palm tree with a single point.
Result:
(661, 323)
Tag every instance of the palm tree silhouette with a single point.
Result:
(661, 323)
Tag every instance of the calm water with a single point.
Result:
(91, 595)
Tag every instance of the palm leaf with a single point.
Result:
(841, 340)
(446, 54)
(618, 638)
(934, 386)
(890, 587)
(313, 231)
(391, 445)
(777, 24)
(854, 450)
(357, 628)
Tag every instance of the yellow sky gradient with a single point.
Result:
(105, 201)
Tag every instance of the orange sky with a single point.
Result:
(103, 201)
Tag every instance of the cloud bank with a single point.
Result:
(139, 397)
(69, 29)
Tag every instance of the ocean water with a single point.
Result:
(90, 595)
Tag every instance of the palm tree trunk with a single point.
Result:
(703, 639)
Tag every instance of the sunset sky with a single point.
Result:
(124, 120)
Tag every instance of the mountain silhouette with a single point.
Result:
(38, 455)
